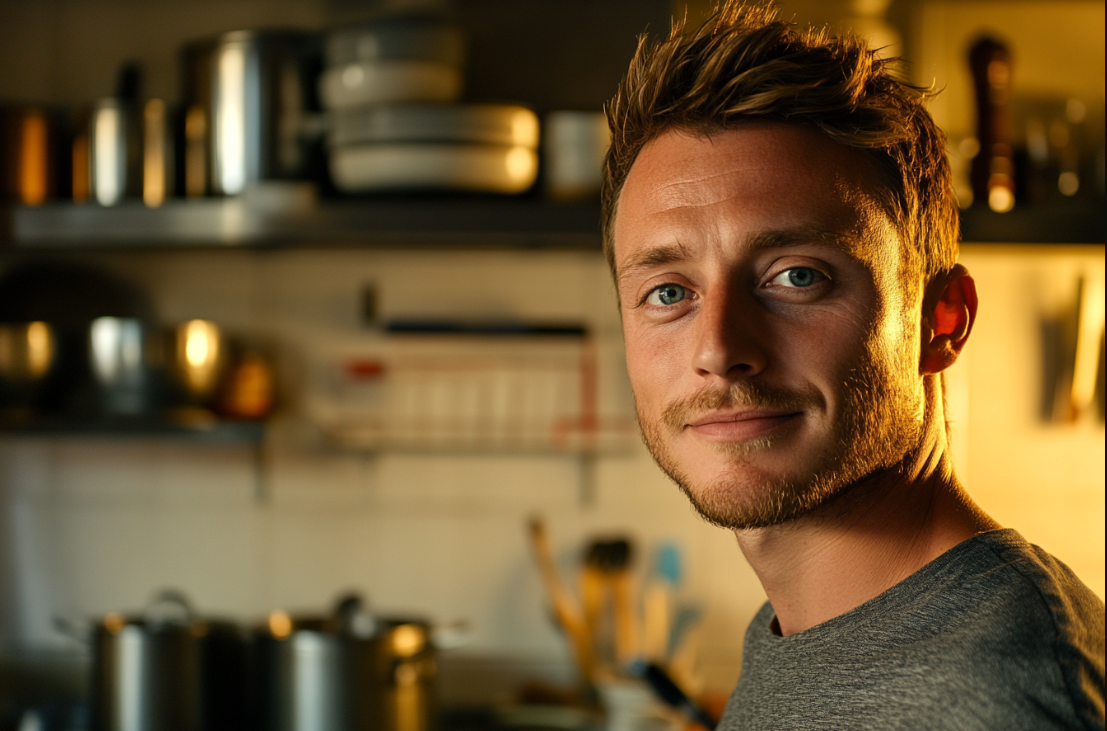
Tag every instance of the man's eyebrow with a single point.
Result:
(803, 236)
(776, 239)
(656, 256)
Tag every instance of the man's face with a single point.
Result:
(773, 359)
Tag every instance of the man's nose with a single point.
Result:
(729, 337)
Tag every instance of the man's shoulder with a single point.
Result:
(1020, 587)
(996, 631)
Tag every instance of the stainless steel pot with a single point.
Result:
(139, 367)
(168, 670)
(262, 86)
(343, 673)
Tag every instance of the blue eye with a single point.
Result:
(798, 277)
(667, 294)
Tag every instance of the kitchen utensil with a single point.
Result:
(609, 586)
(167, 670)
(362, 83)
(157, 153)
(114, 163)
(491, 124)
(346, 671)
(262, 89)
(433, 166)
(411, 38)
(127, 357)
(68, 296)
(27, 353)
(248, 392)
(670, 692)
(574, 145)
(115, 142)
(659, 602)
(30, 154)
(565, 608)
(199, 360)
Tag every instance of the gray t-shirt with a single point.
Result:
(993, 634)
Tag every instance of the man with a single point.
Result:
(780, 223)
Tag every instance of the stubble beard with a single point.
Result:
(877, 425)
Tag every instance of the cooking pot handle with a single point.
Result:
(169, 606)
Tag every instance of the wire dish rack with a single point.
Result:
(474, 394)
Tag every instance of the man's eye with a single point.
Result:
(798, 277)
(666, 294)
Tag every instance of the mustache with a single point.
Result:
(740, 395)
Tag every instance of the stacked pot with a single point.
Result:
(391, 88)
(171, 669)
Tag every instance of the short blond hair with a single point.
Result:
(745, 64)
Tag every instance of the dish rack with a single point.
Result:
(477, 396)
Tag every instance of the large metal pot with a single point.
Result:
(345, 672)
(168, 670)
(262, 85)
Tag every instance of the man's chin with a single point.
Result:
(751, 501)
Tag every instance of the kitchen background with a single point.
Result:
(319, 502)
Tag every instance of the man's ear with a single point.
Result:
(948, 320)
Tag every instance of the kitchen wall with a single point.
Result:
(96, 524)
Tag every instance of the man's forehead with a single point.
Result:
(774, 184)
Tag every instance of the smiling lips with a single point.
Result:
(740, 426)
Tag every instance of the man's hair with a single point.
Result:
(744, 64)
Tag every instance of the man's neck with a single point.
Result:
(873, 537)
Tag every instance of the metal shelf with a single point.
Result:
(421, 222)
(195, 426)
(1057, 224)
(430, 221)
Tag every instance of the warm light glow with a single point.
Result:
(521, 164)
(408, 640)
(198, 345)
(280, 624)
(1086, 370)
(32, 160)
(114, 622)
(1001, 199)
(1068, 183)
(40, 348)
(154, 153)
(524, 128)
(230, 120)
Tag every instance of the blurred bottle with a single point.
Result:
(993, 169)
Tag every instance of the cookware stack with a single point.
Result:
(391, 87)
(169, 668)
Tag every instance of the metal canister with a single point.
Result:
(262, 88)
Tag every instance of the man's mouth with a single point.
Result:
(740, 425)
